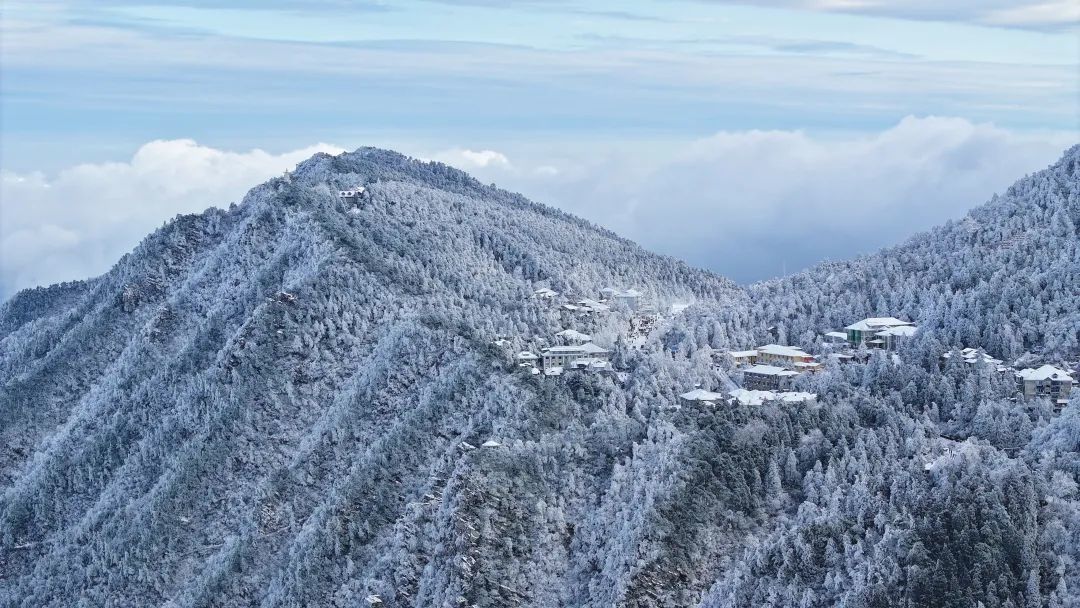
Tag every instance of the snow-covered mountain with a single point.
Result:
(302, 402)
(1006, 277)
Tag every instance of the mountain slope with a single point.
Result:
(200, 423)
(270, 406)
(1005, 278)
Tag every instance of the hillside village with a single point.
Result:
(766, 373)
(763, 374)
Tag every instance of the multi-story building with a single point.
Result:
(1046, 381)
(562, 356)
(867, 330)
(768, 378)
(777, 354)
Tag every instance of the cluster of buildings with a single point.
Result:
(773, 367)
(974, 356)
(1046, 381)
(577, 353)
(626, 298)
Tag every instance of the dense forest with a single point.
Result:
(304, 402)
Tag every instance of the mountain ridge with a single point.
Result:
(284, 404)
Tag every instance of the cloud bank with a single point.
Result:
(755, 204)
(747, 204)
(79, 222)
(1031, 14)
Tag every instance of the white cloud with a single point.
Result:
(744, 203)
(1052, 14)
(77, 223)
(750, 204)
(1034, 14)
(466, 159)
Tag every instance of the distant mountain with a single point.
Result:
(305, 402)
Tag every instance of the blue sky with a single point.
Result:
(571, 100)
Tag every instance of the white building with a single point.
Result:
(972, 356)
(702, 395)
(866, 331)
(783, 355)
(574, 336)
(563, 356)
(589, 305)
(352, 197)
(835, 337)
(768, 378)
(744, 357)
(894, 336)
(590, 364)
(545, 293)
(776, 354)
(527, 358)
(630, 298)
(1046, 381)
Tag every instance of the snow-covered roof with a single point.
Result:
(569, 349)
(973, 356)
(593, 349)
(589, 362)
(1046, 372)
(573, 334)
(899, 330)
(678, 307)
(836, 334)
(807, 364)
(742, 354)
(553, 371)
(876, 323)
(700, 394)
(769, 370)
(526, 356)
(780, 350)
(749, 397)
(490, 443)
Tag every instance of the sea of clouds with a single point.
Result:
(747, 204)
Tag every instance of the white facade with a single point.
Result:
(867, 330)
(563, 356)
(1046, 381)
(352, 197)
